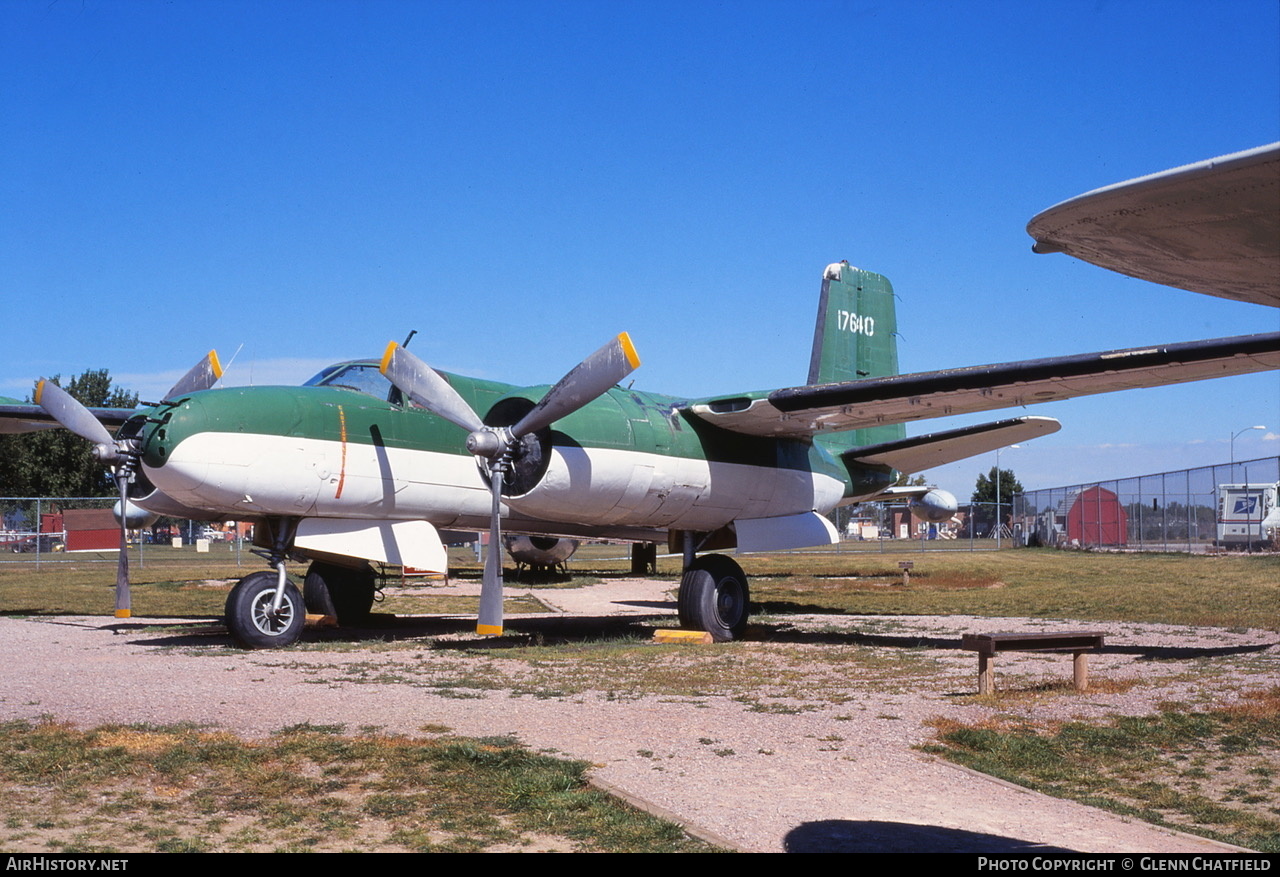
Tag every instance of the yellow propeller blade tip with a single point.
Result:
(215, 364)
(489, 630)
(386, 357)
(629, 350)
(39, 390)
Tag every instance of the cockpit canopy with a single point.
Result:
(364, 377)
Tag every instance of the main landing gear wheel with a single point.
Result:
(714, 597)
(251, 620)
(340, 591)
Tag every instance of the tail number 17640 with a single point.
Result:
(856, 323)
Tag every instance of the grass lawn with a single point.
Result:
(1213, 770)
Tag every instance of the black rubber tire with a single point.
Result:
(714, 597)
(340, 591)
(248, 613)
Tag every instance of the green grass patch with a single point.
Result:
(1039, 583)
(1211, 772)
(129, 789)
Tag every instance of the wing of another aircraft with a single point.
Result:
(19, 417)
(805, 411)
(1211, 227)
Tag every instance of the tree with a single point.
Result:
(984, 494)
(56, 462)
(985, 491)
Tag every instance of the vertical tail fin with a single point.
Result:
(856, 338)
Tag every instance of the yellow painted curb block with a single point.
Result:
(699, 637)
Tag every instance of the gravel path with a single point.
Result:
(840, 774)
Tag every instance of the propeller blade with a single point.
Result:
(490, 621)
(124, 606)
(588, 380)
(203, 375)
(67, 410)
(419, 382)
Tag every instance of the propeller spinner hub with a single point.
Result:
(486, 443)
(106, 454)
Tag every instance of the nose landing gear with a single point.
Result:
(265, 610)
(259, 619)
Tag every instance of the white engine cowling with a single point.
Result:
(136, 517)
(935, 506)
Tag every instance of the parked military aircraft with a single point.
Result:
(369, 459)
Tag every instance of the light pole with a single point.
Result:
(999, 522)
(1233, 442)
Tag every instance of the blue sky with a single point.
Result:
(521, 180)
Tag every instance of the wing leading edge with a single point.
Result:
(797, 412)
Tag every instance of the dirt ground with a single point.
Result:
(827, 766)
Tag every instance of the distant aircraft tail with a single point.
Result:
(856, 337)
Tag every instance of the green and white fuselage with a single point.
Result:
(628, 465)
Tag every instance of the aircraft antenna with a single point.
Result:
(233, 357)
(409, 337)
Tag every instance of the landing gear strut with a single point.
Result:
(714, 597)
(264, 610)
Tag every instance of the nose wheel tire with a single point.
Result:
(714, 597)
(252, 621)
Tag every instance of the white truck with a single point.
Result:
(1247, 514)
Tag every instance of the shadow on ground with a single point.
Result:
(847, 836)
(458, 633)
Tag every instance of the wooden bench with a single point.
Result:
(1078, 642)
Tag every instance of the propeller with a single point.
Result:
(203, 375)
(587, 381)
(121, 454)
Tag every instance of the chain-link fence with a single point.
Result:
(888, 527)
(52, 530)
(1226, 506)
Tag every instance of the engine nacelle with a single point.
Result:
(935, 506)
(135, 517)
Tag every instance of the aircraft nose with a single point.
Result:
(168, 427)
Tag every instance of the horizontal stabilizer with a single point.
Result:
(939, 448)
(809, 410)
(1211, 227)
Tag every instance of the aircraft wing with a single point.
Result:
(937, 449)
(18, 417)
(1211, 227)
(805, 411)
